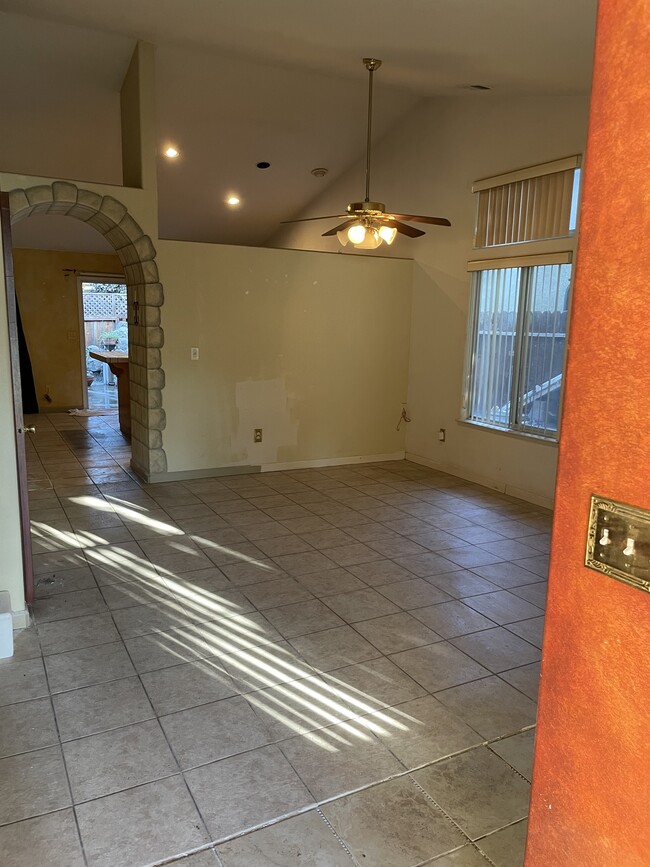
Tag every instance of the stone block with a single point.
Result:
(60, 208)
(101, 222)
(64, 191)
(18, 202)
(39, 195)
(154, 398)
(130, 228)
(146, 250)
(157, 461)
(156, 378)
(89, 199)
(157, 419)
(113, 209)
(150, 272)
(153, 295)
(81, 212)
(153, 358)
(154, 336)
(117, 238)
(150, 316)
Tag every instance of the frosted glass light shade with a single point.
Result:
(357, 234)
(387, 234)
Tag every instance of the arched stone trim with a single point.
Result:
(137, 255)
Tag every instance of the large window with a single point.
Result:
(517, 336)
(519, 304)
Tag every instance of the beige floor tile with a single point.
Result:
(302, 618)
(490, 706)
(214, 731)
(478, 790)
(21, 680)
(517, 751)
(334, 648)
(77, 668)
(99, 708)
(51, 839)
(272, 594)
(438, 666)
(116, 760)
(396, 632)
(392, 825)
(360, 605)
(421, 731)
(330, 582)
(497, 649)
(239, 793)
(506, 847)
(28, 725)
(304, 841)
(525, 679)
(31, 784)
(60, 636)
(188, 685)
(141, 825)
(339, 759)
(451, 619)
(377, 683)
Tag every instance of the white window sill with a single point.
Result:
(549, 441)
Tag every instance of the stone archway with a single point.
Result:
(138, 257)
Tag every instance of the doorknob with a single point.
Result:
(26, 430)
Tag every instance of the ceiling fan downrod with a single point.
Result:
(371, 65)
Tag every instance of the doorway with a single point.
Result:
(103, 327)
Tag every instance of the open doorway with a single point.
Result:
(103, 328)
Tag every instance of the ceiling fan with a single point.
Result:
(367, 224)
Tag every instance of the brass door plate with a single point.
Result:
(618, 542)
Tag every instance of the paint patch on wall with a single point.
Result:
(264, 404)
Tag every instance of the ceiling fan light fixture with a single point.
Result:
(357, 234)
(387, 234)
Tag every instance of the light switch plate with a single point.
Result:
(194, 353)
(618, 542)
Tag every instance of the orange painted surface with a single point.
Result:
(591, 781)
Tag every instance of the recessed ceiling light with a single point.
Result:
(171, 152)
(319, 172)
(263, 165)
(233, 200)
(477, 87)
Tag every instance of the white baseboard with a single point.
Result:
(486, 481)
(331, 462)
(21, 619)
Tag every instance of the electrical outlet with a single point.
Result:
(257, 435)
(194, 353)
(442, 434)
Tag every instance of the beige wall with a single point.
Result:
(427, 167)
(313, 348)
(49, 307)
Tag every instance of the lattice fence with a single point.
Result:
(104, 305)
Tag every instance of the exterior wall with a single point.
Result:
(49, 308)
(592, 758)
(427, 166)
(310, 347)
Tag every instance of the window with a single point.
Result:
(528, 205)
(517, 336)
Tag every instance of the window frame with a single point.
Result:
(527, 264)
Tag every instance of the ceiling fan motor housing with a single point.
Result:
(371, 209)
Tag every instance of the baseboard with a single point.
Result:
(21, 619)
(209, 473)
(331, 462)
(215, 472)
(486, 481)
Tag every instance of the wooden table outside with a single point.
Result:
(118, 363)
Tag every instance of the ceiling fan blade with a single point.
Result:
(307, 219)
(403, 228)
(338, 229)
(415, 218)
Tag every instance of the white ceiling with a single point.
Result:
(241, 81)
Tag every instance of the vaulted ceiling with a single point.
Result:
(244, 81)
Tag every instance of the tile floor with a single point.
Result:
(322, 667)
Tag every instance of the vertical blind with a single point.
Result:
(518, 327)
(527, 205)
